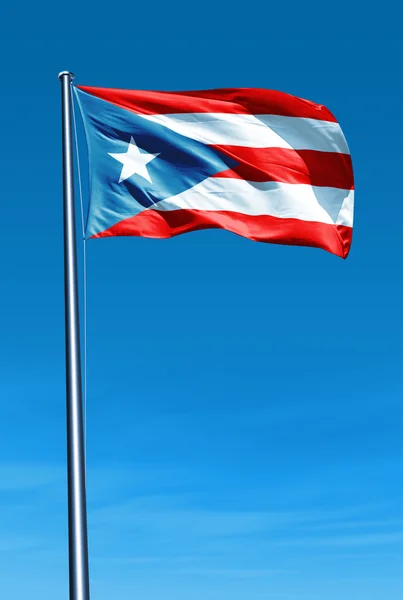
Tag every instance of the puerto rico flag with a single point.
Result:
(263, 164)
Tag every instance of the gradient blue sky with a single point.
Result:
(245, 400)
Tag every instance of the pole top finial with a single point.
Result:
(69, 73)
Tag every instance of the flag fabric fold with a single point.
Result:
(263, 164)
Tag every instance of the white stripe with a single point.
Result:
(308, 134)
(285, 200)
(346, 214)
(256, 131)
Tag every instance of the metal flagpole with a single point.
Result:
(77, 509)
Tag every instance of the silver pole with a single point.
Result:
(78, 542)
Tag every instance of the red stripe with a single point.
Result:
(329, 169)
(264, 228)
(232, 100)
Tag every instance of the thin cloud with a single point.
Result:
(369, 539)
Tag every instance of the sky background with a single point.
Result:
(244, 420)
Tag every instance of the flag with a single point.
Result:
(263, 164)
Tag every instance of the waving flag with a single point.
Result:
(263, 164)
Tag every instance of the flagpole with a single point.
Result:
(77, 509)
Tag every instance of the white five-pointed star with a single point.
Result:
(134, 162)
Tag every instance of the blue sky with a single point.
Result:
(244, 400)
